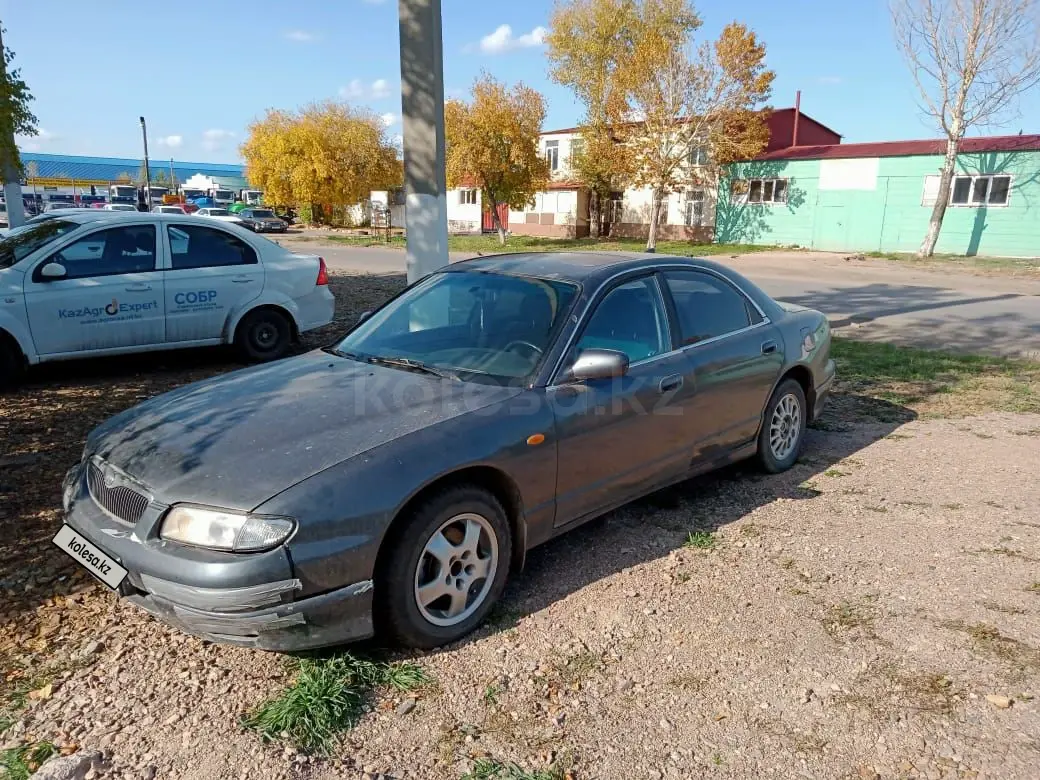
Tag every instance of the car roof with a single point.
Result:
(577, 267)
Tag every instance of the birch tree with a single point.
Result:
(970, 60)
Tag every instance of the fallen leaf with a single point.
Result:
(42, 693)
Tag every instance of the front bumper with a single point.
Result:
(240, 599)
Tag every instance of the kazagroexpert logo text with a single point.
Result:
(112, 309)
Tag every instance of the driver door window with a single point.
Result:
(630, 319)
(109, 298)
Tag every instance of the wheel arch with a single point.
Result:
(9, 338)
(254, 306)
(490, 478)
(800, 373)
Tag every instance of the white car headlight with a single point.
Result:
(222, 529)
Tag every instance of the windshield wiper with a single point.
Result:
(412, 365)
(343, 353)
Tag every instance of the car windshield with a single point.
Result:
(217, 212)
(22, 241)
(479, 326)
(264, 213)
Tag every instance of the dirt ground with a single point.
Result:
(874, 612)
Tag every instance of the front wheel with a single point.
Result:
(263, 335)
(783, 427)
(11, 364)
(445, 568)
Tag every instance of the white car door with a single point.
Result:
(211, 273)
(111, 295)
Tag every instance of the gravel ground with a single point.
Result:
(874, 612)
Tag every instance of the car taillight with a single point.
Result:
(323, 273)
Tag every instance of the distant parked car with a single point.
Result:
(170, 208)
(396, 480)
(262, 221)
(220, 214)
(118, 207)
(59, 206)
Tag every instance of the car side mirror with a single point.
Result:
(597, 364)
(53, 271)
(364, 316)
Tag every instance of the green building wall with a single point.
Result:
(891, 217)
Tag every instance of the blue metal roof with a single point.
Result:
(67, 166)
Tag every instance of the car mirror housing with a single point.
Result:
(53, 271)
(597, 364)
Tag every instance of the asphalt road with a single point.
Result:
(868, 299)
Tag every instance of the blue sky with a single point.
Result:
(201, 71)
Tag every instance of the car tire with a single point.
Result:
(12, 363)
(263, 335)
(783, 427)
(408, 564)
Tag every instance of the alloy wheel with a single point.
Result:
(456, 569)
(785, 427)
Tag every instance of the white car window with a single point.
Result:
(194, 246)
(120, 250)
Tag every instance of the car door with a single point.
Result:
(211, 274)
(735, 356)
(618, 438)
(110, 296)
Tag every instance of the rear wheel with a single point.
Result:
(263, 335)
(445, 568)
(783, 427)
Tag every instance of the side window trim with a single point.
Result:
(37, 278)
(590, 311)
(750, 307)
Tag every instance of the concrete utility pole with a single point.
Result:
(12, 183)
(147, 173)
(422, 103)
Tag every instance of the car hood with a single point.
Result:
(237, 440)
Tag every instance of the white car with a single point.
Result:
(222, 214)
(167, 210)
(110, 283)
(118, 207)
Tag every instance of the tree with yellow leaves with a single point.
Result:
(492, 143)
(326, 153)
(681, 112)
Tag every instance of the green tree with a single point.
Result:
(492, 143)
(15, 116)
(160, 178)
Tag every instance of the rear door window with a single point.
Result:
(707, 307)
(194, 246)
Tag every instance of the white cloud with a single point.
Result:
(389, 118)
(36, 143)
(170, 141)
(214, 139)
(502, 40)
(359, 90)
(300, 36)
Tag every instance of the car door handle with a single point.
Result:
(139, 288)
(673, 382)
(242, 279)
(769, 347)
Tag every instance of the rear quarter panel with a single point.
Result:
(290, 284)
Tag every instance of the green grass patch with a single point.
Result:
(1015, 265)
(326, 698)
(936, 382)
(492, 769)
(489, 244)
(20, 762)
(700, 540)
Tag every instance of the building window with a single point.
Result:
(693, 208)
(577, 148)
(552, 154)
(980, 190)
(697, 157)
(468, 197)
(773, 191)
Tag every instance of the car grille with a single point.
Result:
(122, 501)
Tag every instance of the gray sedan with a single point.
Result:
(394, 481)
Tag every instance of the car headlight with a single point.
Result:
(222, 529)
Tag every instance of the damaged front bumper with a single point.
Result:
(250, 599)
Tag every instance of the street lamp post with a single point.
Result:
(422, 105)
(147, 174)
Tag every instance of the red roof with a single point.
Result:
(993, 143)
(773, 112)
